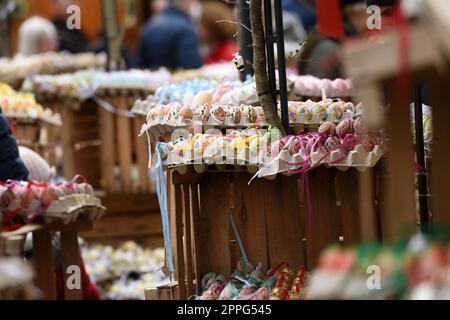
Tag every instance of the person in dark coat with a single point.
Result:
(11, 166)
(170, 39)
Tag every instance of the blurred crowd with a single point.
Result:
(190, 33)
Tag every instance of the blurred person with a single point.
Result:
(11, 165)
(72, 40)
(37, 35)
(319, 56)
(170, 39)
(158, 6)
(304, 10)
(216, 33)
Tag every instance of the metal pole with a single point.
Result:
(420, 153)
(281, 65)
(270, 39)
(245, 39)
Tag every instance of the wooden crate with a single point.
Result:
(103, 146)
(271, 216)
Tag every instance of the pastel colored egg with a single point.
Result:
(331, 143)
(320, 110)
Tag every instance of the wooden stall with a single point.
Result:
(272, 217)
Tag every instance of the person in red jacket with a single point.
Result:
(217, 32)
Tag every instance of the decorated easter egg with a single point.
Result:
(186, 113)
(235, 113)
(331, 143)
(319, 110)
(202, 112)
(344, 127)
(349, 107)
(203, 97)
(334, 109)
(218, 112)
(326, 129)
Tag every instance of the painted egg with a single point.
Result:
(344, 127)
(335, 110)
(331, 143)
(320, 110)
(186, 113)
(326, 129)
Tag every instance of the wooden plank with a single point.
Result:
(367, 218)
(179, 242)
(399, 213)
(285, 225)
(250, 217)
(188, 239)
(70, 257)
(195, 235)
(142, 154)
(67, 116)
(325, 224)
(346, 190)
(124, 145)
(131, 224)
(45, 268)
(213, 226)
(440, 179)
(125, 203)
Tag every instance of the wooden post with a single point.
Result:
(124, 144)
(367, 222)
(440, 180)
(179, 241)
(45, 267)
(67, 115)
(107, 149)
(399, 213)
(70, 257)
(187, 239)
(142, 153)
(195, 235)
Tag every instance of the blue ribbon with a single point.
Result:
(161, 191)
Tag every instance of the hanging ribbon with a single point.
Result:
(110, 108)
(239, 241)
(161, 191)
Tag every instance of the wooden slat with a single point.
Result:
(195, 233)
(67, 116)
(142, 154)
(187, 239)
(250, 217)
(124, 145)
(45, 268)
(138, 202)
(213, 226)
(347, 204)
(440, 178)
(399, 213)
(285, 227)
(325, 224)
(367, 218)
(179, 242)
(70, 257)
(127, 224)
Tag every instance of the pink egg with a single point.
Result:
(326, 129)
(344, 127)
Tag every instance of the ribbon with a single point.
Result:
(241, 245)
(110, 108)
(162, 199)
